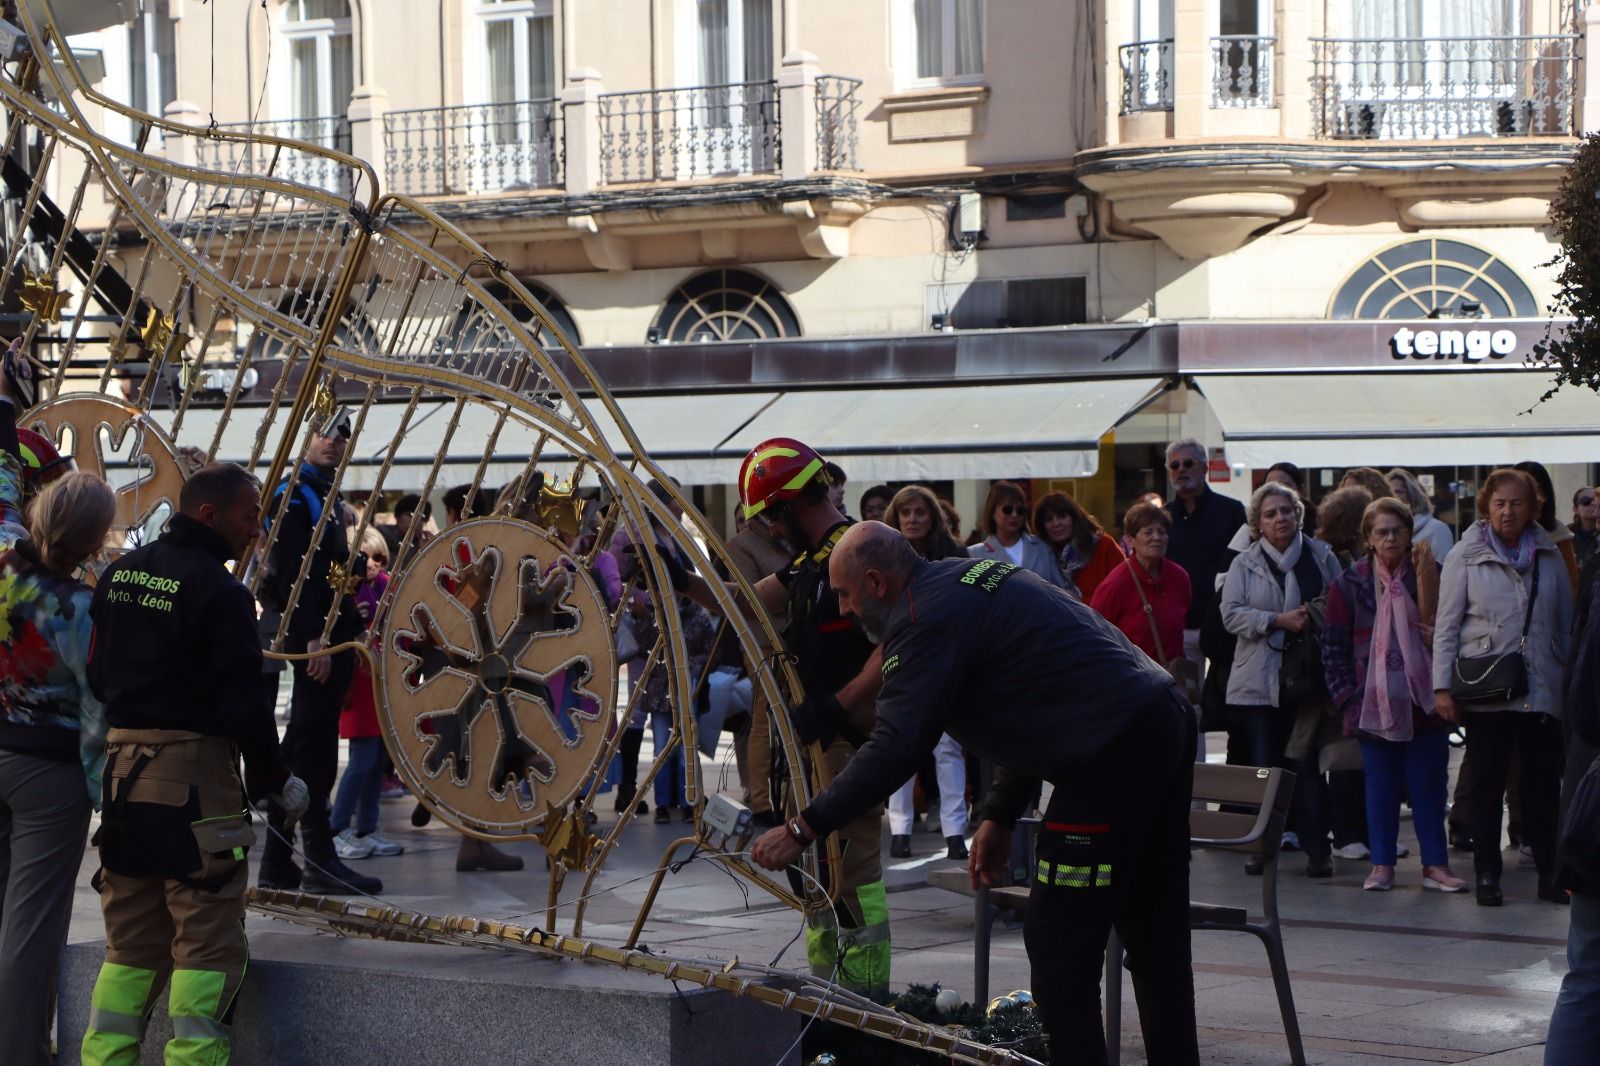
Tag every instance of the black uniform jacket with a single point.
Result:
(175, 647)
(1012, 667)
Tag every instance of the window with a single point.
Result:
(1009, 303)
(732, 41)
(519, 45)
(467, 329)
(1433, 279)
(321, 58)
(152, 59)
(946, 40)
(725, 305)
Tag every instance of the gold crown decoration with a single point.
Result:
(561, 508)
(341, 580)
(38, 294)
(322, 404)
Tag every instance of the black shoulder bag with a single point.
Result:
(1496, 678)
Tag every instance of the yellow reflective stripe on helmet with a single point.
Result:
(805, 475)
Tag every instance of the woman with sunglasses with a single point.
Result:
(1005, 518)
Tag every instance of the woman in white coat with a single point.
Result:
(1264, 597)
(1507, 578)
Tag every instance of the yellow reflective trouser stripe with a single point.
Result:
(117, 1015)
(858, 959)
(199, 1037)
(1062, 875)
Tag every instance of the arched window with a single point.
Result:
(1433, 278)
(321, 58)
(468, 324)
(725, 305)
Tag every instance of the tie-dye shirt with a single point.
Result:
(45, 633)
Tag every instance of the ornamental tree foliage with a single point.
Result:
(1574, 354)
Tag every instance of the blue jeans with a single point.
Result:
(1575, 1025)
(669, 782)
(359, 788)
(1268, 730)
(1421, 766)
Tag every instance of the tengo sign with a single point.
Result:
(1471, 345)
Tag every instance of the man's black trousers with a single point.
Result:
(310, 747)
(1114, 852)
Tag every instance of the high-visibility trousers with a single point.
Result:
(183, 934)
(850, 942)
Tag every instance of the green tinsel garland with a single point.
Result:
(1015, 1026)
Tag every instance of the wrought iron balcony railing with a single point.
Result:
(838, 104)
(1146, 76)
(327, 131)
(699, 132)
(1431, 88)
(1241, 71)
(474, 149)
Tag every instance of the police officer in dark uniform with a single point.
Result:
(175, 657)
(311, 739)
(1079, 706)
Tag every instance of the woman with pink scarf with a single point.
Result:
(1377, 658)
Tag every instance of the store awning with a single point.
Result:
(1038, 429)
(1442, 418)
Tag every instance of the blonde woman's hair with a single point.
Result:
(1412, 494)
(372, 543)
(70, 519)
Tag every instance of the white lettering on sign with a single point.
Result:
(1471, 345)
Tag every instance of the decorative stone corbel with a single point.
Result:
(605, 251)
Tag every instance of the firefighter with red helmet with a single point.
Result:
(783, 484)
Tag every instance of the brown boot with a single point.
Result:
(481, 855)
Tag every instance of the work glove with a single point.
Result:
(293, 797)
(818, 719)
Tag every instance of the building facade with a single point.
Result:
(955, 240)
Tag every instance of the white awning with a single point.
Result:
(1039, 429)
(1442, 418)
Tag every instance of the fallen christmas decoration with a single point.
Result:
(1007, 1022)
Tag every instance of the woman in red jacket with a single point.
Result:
(1148, 595)
(1085, 552)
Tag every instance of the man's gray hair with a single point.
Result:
(1187, 444)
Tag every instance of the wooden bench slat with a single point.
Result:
(1230, 784)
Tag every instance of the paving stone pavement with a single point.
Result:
(1398, 977)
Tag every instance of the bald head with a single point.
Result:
(869, 570)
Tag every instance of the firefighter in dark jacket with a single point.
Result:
(174, 655)
(311, 739)
(1082, 708)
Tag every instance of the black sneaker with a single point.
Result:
(956, 848)
(330, 877)
(899, 846)
(1319, 867)
(1460, 840)
(1489, 892)
(420, 816)
(282, 878)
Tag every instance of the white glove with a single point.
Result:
(294, 797)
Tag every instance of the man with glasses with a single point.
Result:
(1203, 522)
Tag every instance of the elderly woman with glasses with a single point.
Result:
(1264, 604)
(1005, 517)
(1505, 607)
(1378, 660)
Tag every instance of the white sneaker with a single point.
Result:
(1291, 841)
(382, 846)
(1401, 851)
(1354, 850)
(349, 846)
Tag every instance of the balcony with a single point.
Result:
(678, 134)
(1436, 88)
(1146, 76)
(1242, 71)
(838, 105)
(328, 131)
(466, 151)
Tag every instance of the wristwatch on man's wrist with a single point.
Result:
(798, 832)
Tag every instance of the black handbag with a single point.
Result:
(1495, 678)
(1300, 674)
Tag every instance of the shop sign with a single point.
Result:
(1217, 466)
(1470, 345)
